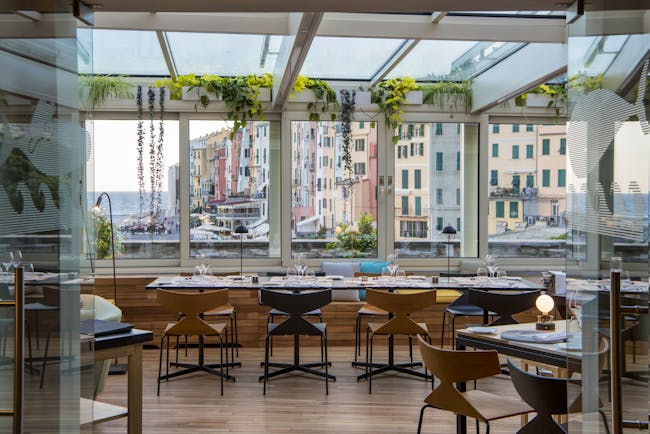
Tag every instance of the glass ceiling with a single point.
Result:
(452, 60)
(349, 58)
(127, 52)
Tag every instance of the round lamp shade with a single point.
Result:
(449, 229)
(544, 304)
(241, 229)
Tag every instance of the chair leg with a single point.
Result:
(47, 346)
(321, 349)
(372, 336)
(605, 423)
(478, 429)
(327, 381)
(167, 361)
(186, 346)
(266, 361)
(487, 427)
(357, 337)
(236, 333)
(453, 332)
(424, 407)
(162, 344)
(177, 343)
(233, 359)
(221, 360)
(442, 333)
(411, 348)
(269, 320)
(367, 340)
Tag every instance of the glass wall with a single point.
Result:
(527, 187)
(334, 189)
(430, 194)
(230, 179)
(137, 164)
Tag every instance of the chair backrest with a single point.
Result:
(456, 366)
(547, 395)
(296, 304)
(401, 305)
(505, 304)
(190, 304)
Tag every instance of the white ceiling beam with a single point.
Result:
(406, 48)
(518, 73)
(250, 23)
(167, 55)
(461, 28)
(293, 51)
(30, 15)
(437, 16)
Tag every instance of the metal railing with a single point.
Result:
(19, 322)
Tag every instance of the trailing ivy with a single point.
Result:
(140, 150)
(152, 151)
(323, 93)
(448, 95)
(347, 112)
(159, 165)
(389, 95)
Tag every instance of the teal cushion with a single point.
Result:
(372, 268)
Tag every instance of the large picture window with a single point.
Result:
(325, 171)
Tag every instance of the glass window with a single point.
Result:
(457, 160)
(352, 199)
(439, 156)
(361, 125)
(531, 219)
(438, 129)
(405, 179)
(128, 52)
(561, 178)
(495, 150)
(499, 209)
(563, 146)
(514, 210)
(546, 146)
(515, 128)
(435, 181)
(494, 177)
(147, 225)
(529, 128)
(495, 128)
(228, 189)
(515, 152)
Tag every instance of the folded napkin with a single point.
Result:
(551, 337)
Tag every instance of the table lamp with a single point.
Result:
(449, 230)
(241, 230)
(545, 304)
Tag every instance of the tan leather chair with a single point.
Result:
(190, 305)
(401, 306)
(460, 366)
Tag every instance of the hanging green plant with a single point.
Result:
(448, 95)
(347, 112)
(323, 93)
(94, 90)
(389, 95)
(240, 94)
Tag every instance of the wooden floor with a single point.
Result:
(298, 404)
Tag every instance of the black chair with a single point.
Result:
(459, 307)
(296, 305)
(503, 304)
(548, 397)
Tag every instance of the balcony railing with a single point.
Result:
(524, 193)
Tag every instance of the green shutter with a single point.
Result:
(499, 206)
(405, 179)
(546, 178)
(495, 149)
(515, 152)
(529, 151)
(438, 160)
(561, 178)
(530, 180)
(546, 146)
(494, 177)
(515, 128)
(514, 210)
(405, 205)
(495, 128)
(562, 146)
(418, 205)
(418, 178)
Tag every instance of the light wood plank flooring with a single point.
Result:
(298, 404)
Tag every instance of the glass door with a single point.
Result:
(608, 174)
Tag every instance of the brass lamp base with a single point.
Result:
(545, 322)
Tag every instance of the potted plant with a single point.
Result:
(321, 99)
(94, 90)
(389, 95)
(449, 95)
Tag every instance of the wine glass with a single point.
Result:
(299, 264)
(501, 274)
(7, 265)
(491, 264)
(393, 265)
(16, 258)
(481, 273)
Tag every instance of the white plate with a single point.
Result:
(482, 330)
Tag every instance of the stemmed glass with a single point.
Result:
(491, 264)
(6, 265)
(301, 267)
(16, 258)
(393, 265)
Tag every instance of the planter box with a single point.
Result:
(110, 101)
(537, 100)
(361, 97)
(194, 94)
(414, 97)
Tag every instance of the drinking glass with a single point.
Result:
(291, 273)
(400, 275)
(625, 277)
(386, 273)
(393, 265)
(16, 258)
(7, 266)
(501, 274)
(481, 273)
(491, 263)
(616, 263)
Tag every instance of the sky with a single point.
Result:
(115, 151)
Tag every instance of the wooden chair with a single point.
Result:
(367, 310)
(296, 305)
(225, 310)
(460, 366)
(548, 396)
(190, 305)
(401, 306)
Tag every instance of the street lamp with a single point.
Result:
(449, 230)
(241, 230)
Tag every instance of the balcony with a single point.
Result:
(524, 193)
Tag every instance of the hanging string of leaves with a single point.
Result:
(140, 150)
(159, 152)
(152, 151)
(347, 111)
